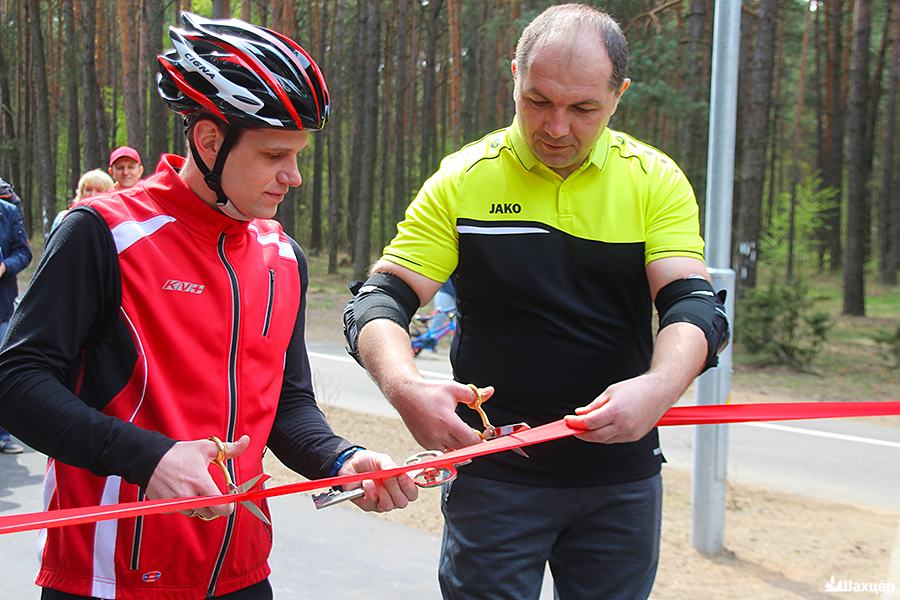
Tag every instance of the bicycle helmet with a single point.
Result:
(243, 76)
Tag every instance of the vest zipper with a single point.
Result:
(269, 304)
(138, 530)
(232, 404)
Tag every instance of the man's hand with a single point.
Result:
(2, 269)
(625, 411)
(428, 409)
(184, 471)
(383, 495)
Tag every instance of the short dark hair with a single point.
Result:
(576, 16)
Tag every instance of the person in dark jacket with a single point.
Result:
(15, 254)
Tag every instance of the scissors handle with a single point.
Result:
(220, 460)
(333, 496)
(476, 406)
(427, 477)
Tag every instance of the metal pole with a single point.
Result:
(713, 387)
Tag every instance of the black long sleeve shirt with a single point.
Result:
(70, 312)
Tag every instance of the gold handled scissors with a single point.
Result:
(244, 487)
(490, 432)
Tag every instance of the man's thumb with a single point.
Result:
(235, 449)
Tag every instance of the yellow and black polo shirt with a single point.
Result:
(554, 303)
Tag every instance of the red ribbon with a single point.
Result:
(679, 415)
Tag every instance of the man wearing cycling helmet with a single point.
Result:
(184, 320)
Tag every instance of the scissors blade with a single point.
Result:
(250, 483)
(505, 430)
(254, 509)
(256, 512)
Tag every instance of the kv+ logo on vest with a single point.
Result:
(183, 286)
(506, 208)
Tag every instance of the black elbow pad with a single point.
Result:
(694, 301)
(381, 296)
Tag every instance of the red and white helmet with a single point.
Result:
(241, 74)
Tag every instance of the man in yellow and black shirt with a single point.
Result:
(558, 234)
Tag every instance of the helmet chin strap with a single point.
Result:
(213, 178)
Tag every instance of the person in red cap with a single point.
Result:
(125, 167)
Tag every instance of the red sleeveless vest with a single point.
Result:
(211, 304)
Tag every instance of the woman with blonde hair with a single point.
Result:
(92, 183)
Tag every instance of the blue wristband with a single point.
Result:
(342, 458)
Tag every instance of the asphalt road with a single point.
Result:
(343, 553)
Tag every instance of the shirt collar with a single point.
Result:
(171, 191)
(598, 155)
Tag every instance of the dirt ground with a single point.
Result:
(777, 545)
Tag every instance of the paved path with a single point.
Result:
(344, 553)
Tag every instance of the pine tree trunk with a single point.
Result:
(795, 145)
(129, 43)
(157, 113)
(25, 104)
(368, 117)
(472, 67)
(454, 15)
(53, 51)
(485, 118)
(354, 90)
(316, 26)
(857, 176)
(222, 9)
(46, 171)
(93, 106)
(754, 155)
(833, 154)
(333, 135)
(74, 126)
(889, 208)
(504, 103)
(414, 172)
(775, 121)
(386, 212)
(287, 212)
(263, 13)
(696, 89)
(401, 112)
(106, 77)
(873, 99)
(113, 133)
(818, 54)
(175, 120)
(429, 118)
(10, 157)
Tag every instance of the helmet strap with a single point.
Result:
(213, 178)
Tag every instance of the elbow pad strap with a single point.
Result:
(381, 296)
(694, 301)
